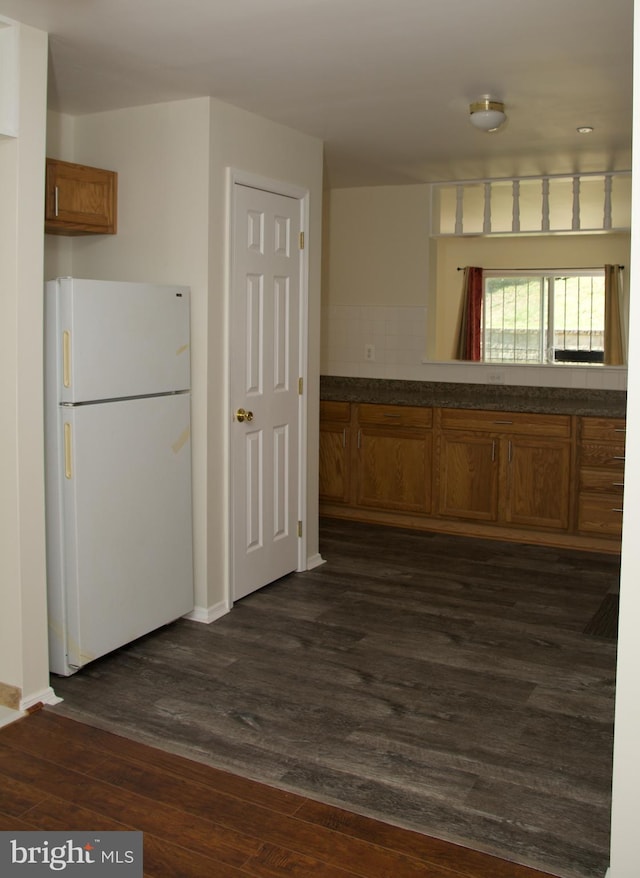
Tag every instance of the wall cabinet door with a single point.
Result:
(469, 474)
(79, 200)
(537, 482)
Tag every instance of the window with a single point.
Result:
(543, 317)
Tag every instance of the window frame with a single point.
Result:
(547, 351)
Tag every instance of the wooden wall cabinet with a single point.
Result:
(394, 457)
(513, 468)
(601, 454)
(80, 200)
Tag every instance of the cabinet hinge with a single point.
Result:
(302, 240)
(300, 386)
(299, 528)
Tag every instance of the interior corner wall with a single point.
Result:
(161, 155)
(24, 660)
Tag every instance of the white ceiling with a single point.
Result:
(385, 84)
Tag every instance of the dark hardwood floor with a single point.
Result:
(440, 684)
(198, 822)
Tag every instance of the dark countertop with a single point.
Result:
(498, 397)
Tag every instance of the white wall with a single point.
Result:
(23, 623)
(387, 284)
(625, 849)
(172, 162)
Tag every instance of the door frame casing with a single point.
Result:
(236, 176)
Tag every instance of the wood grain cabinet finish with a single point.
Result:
(510, 468)
(80, 200)
(539, 478)
(335, 451)
(601, 454)
(394, 458)
(468, 472)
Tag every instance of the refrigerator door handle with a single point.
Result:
(67, 451)
(66, 358)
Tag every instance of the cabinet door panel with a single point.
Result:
(394, 470)
(79, 199)
(600, 514)
(334, 463)
(538, 483)
(469, 476)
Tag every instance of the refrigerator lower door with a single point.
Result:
(126, 522)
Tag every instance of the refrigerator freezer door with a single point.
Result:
(114, 340)
(126, 507)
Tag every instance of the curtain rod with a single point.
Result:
(563, 270)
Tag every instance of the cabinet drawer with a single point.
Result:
(601, 481)
(331, 410)
(395, 415)
(600, 514)
(602, 456)
(507, 422)
(605, 429)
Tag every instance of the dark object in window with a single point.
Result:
(569, 356)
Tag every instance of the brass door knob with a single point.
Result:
(242, 415)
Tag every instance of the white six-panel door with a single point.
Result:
(265, 346)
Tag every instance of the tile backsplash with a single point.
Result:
(370, 341)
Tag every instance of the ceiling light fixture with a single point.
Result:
(584, 129)
(487, 114)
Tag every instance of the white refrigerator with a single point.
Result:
(118, 464)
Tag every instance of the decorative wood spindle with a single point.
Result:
(459, 197)
(515, 223)
(545, 205)
(575, 221)
(606, 221)
(486, 226)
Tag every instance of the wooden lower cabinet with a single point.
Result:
(394, 470)
(513, 480)
(468, 476)
(601, 452)
(552, 479)
(505, 467)
(538, 482)
(335, 451)
(394, 458)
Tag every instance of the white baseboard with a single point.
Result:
(315, 561)
(206, 615)
(46, 696)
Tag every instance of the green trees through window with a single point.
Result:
(543, 317)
